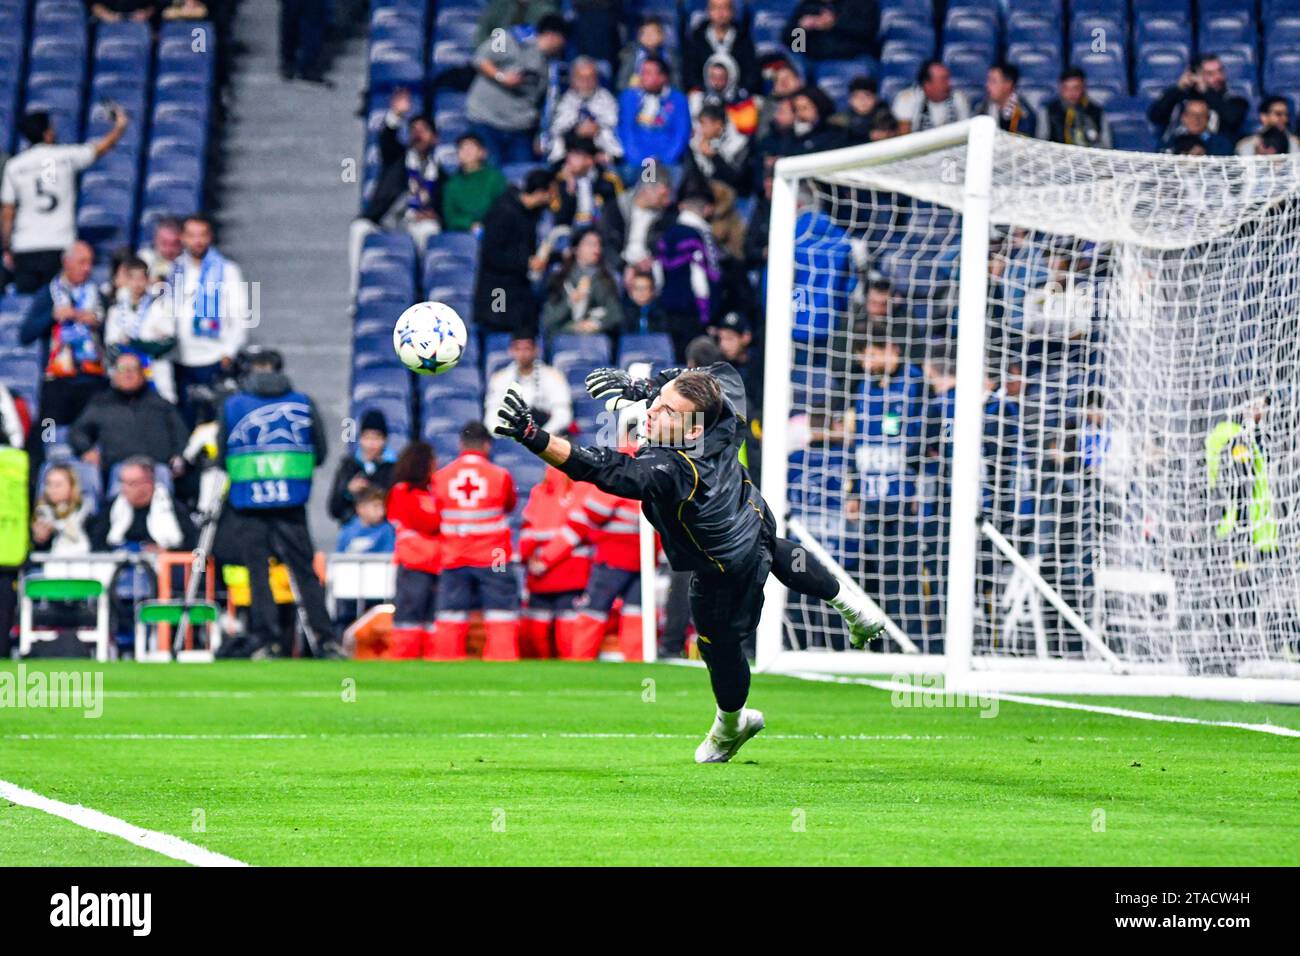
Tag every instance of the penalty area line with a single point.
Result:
(162, 843)
(889, 685)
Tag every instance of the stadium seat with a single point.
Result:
(908, 29)
(1282, 70)
(590, 351)
(380, 379)
(1039, 64)
(968, 62)
(463, 381)
(397, 412)
(394, 63)
(654, 347)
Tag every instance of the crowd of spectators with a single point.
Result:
(638, 181)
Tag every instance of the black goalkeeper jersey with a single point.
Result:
(701, 500)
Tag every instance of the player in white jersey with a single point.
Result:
(38, 198)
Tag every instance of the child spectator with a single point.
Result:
(722, 89)
(60, 517)
(642, 313)
(583, 296)
(136, 324)
(472, 189)
(416, 551)
(370, 468)
(369, 531)
(649, 43)
(781, 80)
(865, 113)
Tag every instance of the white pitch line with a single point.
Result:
(163, 843)
(502, 735)
(889, 685)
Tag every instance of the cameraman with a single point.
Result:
(269, 440)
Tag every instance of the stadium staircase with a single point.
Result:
(286, 204)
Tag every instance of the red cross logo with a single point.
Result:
(468, 488)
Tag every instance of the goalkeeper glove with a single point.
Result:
(621, 390)
(515, 420)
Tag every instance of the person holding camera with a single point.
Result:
(1205, 80)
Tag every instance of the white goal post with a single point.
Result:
(1042, 403)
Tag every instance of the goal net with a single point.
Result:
(1042, 407)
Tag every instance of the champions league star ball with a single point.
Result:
(430, 338)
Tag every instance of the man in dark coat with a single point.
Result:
(129, 419)
(504, 299)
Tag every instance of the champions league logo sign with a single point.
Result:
(274, 426)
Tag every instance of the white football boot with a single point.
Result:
(719, 745)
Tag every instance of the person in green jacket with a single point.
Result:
(473, 189)
(1237, 473)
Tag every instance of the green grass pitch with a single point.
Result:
(549, 763)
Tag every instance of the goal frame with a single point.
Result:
(960, 668)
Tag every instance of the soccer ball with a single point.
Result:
(430, 338)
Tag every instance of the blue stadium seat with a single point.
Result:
(655, 348)
(463, 381)
(1241, 67)
(588, 413)
(1106, 71)
(968, 62)
(397, 412)
(1159, 65)
(449, 416)
(1282, 70)
(392, 65)
(834, 76)
(1132, 133)
(1159, 28)
(587, 351)
(459, 243)
(906, 27)
(1169, 8)
(1039, 65)
(375, 349)
(380, 379)
(768, 27)
(1283, 33)
(1035, 28)
(1218, 32)
(446, 443)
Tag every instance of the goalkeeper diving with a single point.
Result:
(710, 517)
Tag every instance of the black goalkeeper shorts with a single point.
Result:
(726, 605)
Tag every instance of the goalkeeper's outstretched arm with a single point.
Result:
(656, 474)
